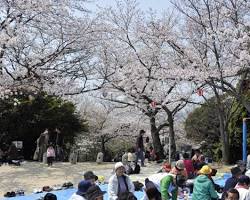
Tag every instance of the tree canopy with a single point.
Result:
(23, 117)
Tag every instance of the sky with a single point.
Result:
(158, 5)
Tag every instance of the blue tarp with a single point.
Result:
(65, 194)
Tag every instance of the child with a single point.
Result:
(50, 155)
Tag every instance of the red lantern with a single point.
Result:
(200, 92)
(153, 104)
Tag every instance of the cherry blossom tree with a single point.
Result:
(135, 59)
(46, 45)
(107, 122)
(215, 51)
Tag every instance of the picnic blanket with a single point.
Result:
(65, 194)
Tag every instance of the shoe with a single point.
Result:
(36, 191)
(7, 194)
(67, 185)
(20, 192)
(47, 189)
(12, 194)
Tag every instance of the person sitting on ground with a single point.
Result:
(131, 166)
(153, 186)
(188, 165)
(131, 155)
(232, 181)
(243, 187)
(94, 193)
(13, 155)
(179, 169)
(232, 194)
(50, 196)
(169, 186)
(90, 176)
(80, 194)
(125, 158)
(201, 163)
(166, 167)
(119, 182)
(151, 192)
(152, 154)
(203, 186)
(196, 157)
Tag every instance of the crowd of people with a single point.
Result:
(189, 175)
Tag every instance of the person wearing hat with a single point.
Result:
(90, 176)
(80, 194)
(119, 182)
(203, 186)
(243, 187)
(179, 169)
(95, 193)
(232, 181)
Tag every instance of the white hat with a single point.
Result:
(118, 164)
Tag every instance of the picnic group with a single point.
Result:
(187, 178)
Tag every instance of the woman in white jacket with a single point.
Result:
(119, 182)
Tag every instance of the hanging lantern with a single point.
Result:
(153, 104)
(200, 92)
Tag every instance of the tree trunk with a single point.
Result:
(224, 139)
(246, 104)
(156, 139)
(103, 149)
(171, 133)
(223, 134)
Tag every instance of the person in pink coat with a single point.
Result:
(50, 155)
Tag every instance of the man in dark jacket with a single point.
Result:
(231, 182)
(140, 148)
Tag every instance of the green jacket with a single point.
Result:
(203, 189)
(168, 188)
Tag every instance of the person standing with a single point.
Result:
(140, 148)
(50, 155)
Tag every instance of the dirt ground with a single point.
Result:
(33, 175)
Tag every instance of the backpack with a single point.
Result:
(137, 169)
(138, 186)
(129, 170)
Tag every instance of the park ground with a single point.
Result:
(32, 175)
